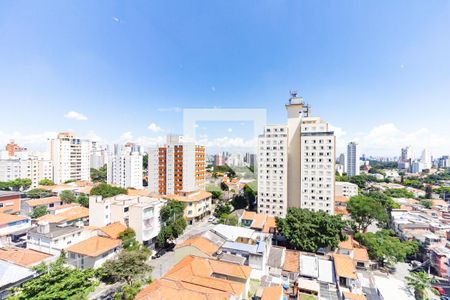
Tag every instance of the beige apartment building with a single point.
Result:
(198, 204)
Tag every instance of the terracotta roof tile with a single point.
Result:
(94, 246)
(43, 201)
(71, 214)
(272, 293)
(352, 296)
(23, 257)
(360, 254)
(191, 197)
(270, 223)
(113, 230)
(201, 244)
(292, 261)
(248, 215)
(7, 218)
(344, 266)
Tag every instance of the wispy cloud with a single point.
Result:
(154, 128)
(73, 115)
(170, 109)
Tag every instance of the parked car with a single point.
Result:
(440, 290)
(211, 219)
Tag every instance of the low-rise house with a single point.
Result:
(200, 278)
(48, 202)
(67, 213)
(139, 213)
(198, 204)
(357, 252)
(93, 252)
(112, 230)
(346, 275)
(352, 296)
(78, 187)
(52, 238)
(258, 222)
(13, 275)
(197, 246)
(273, 293)
(439, 258)
(13, 228)
(9, 202)
(24, 257)
(291, 265)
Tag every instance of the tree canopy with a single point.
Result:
(39, 211)
(99, 175)
(172, 219)
(384, 247)
(366, 210)
(222, 208)
(128, 266)
(399, 193)
(57, 282)
(239, 202)
(46, 181)
(420, 282)
(307, 230)
(68, 196)
(18, 184)
(106, 190)
(39, 193)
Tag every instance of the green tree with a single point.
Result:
(365, 211)
(171, 216)
(250, 193)
(68, 196)
(83, 200)
(224, 186)
(420, 282)
(107, 190)
(384, 200)
(46, 181)
(129, 241)
(307, 230)
(99, 175)
(228, 219)
(428, 191)
(239, 202)
(399, 193)
(128, 267)
(39, 193)
(223, 208)
(145, 161)
(216, 194)
(39, 211)
(57, 282)
(427, 203)
(384, 247)
(20, 184)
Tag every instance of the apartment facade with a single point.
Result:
(296, 163)
(139, 213)
(346, 189)
(70, 157)
(125, 166)
(198, 204)
(352, 159)
(177, 166)
(23, 165)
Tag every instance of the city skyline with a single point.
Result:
(110, 62)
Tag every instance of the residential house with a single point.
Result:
(9, 202)
(24, 257)
(198, 246)
(346, 275)
(67, 213)
(93, 252)
(13, 228)
(13, 275)
(357, 252)
(51, 238)
(259, 222)
(273, 293)
(439, 258)
(198, 204)
(48, 202)
(200, 278)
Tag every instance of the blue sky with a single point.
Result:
(378, 71)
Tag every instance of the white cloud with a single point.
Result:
(338, 131)
(92, 136)
(230, 130)
(388, 139)
(126, 136)
(154, 128)
(213, 88)
(116, 19)
(32, 141)
(226, 142)
(73, 115)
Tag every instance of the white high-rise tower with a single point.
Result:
(352, 159)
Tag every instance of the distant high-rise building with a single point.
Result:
(70, 157)
(98, 156)
(219, 160)
(406, 158)
(125, 166)
(426, 160)
(444, 162)
(296, 163)
(352, 159)
(12, 148)
(177, 166)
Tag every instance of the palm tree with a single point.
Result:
(420, 282)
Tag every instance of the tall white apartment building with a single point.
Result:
(125, 166)
(273, 170)
(296, 163)
(177, 166)
(24, 165)
(98, 156)
(352, 159)
(70, 157)
(318, 158)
